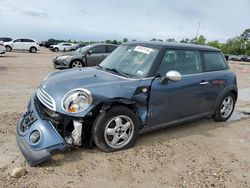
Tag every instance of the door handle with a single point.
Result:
(204, 83)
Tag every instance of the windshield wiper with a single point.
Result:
(99, 66)
(117, 71)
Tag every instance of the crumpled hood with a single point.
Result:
(103, 85)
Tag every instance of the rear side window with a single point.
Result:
(110, 48)
(214, 61)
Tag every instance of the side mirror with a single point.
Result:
(174, 76)
(90, 52)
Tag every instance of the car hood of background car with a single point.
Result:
(103, 85)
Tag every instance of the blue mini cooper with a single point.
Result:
(140, 87)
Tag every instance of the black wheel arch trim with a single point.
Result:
(231, 88)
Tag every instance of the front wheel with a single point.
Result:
(56, 49)
(225, 108)
(116, 129)
(8, 48)
(76, 64)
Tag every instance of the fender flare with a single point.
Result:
(230, 88)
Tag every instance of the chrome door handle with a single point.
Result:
(204, 83)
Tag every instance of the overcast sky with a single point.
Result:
(116, 19)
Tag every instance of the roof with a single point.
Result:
(175, 45)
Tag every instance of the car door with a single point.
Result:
(96, 56)
(26, 43)
(171, 101)
(17, 44)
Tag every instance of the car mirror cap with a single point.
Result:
(173, 76)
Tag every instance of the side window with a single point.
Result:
(110, 48)
(98, 49)
(214, 61)
(183, 61)
(27, 40)
(17, 40)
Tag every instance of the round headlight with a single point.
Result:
(35, 136)
(77, 100)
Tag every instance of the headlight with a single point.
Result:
(77, 100)
(63, 57)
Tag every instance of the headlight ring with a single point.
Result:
(77, 100)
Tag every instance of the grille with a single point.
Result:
(46, 99)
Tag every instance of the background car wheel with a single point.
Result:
(33, 50)
(76, 64)
(8, 48)
(116, 129)
(56, 49)
(225, 108)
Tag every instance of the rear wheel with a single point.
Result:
(76, 64)
(56, 49)
(33, 49)
(116, 129)
(225, 108)
(8, 48)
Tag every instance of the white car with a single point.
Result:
(22, 44)
(2, 48)
(60, 47)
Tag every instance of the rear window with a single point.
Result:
(214, 61)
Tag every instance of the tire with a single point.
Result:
(33, 49)
(116, 129)
(76, 64)
(8, 48)
(225, 108)
(56, 49)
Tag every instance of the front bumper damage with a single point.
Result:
(60, 64)
(49, 141)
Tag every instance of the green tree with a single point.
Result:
(200, 40)
(186, 40)
(125, 40)
(108, 41)
(246, 34)
(170, 40)
(215, 44)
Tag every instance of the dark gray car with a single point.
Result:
(86, 56)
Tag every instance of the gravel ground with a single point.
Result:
(198, 154)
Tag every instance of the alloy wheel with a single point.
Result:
(119, 131)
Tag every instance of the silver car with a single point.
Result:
(86, 56)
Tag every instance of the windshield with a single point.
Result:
(133, 60)
(84, 49)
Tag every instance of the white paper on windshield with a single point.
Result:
(139, 72)
(143, 49)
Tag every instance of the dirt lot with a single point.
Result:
(198, 154)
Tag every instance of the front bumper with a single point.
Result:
(50, 140)
(60, 64)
